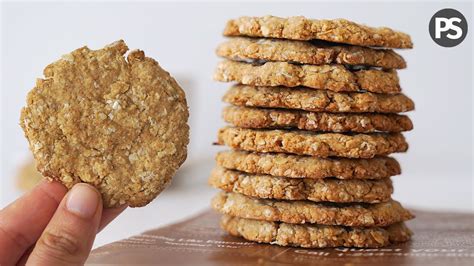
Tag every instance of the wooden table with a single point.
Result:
(440, 239)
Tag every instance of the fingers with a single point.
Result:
(25, 256)
(69, 235)
(109, 215)
(22, 222)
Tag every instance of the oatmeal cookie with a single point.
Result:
(311, 143)
(262, 118)
(301, 28)
(302, 212)
(119, 124)
(314, 235)
(335, 78)
(317, 100)
(317, 190)
(311, 53)
(296, 166)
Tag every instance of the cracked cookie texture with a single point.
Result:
(317, 100)
(263, 118)
(311, 53)
(302, 212)
(301, 28)
(317, 190)
(119, 124)
(296, 166)
(315, 236)
(330, 77)
(311, 143)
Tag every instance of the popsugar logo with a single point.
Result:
(448, 27)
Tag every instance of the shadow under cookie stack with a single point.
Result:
(314, 116)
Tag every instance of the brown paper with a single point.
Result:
(440, 239)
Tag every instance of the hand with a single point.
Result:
(51, 226)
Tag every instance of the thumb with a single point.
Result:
(69, 236)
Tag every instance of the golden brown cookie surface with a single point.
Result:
(310, 143)
(317, 100)
(329, 77)
(119, 124)
(301, 28)
(300, 212)
(317, 190)
(315, 236)
(316, 53)
(263, 118)
(295, 166)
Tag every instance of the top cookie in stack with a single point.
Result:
(314, 116)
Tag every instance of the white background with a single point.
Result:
(437, 170)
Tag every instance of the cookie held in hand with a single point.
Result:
(119, 124)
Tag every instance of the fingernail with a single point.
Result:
(82, 200)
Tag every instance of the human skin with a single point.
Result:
(51, 226)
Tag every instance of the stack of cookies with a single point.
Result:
(313, 116)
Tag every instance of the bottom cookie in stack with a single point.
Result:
(313, 224)
(314, 236)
